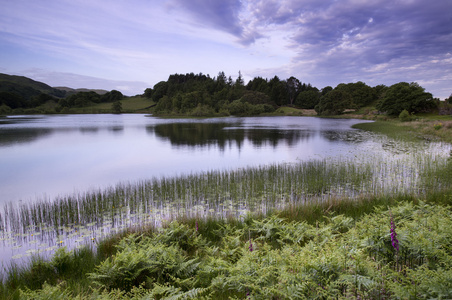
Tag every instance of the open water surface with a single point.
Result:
(46, 157)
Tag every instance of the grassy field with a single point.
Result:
(135, 104)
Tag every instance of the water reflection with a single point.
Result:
(60, 156)
(225, 134)
(21, 136)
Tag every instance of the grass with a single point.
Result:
(135, 104)
(129, 105)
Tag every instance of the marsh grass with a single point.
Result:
(305, 188)
(422, 128)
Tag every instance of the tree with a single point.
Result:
(258, 84)
(112, 96)
(11, 100)
(221, 79)
(308, 99)
(333, 103)
(449, 100)
(293, 86)
(160, 90)
(409, 96)
(362, 94)
(326, 90)
(254, 97)
(116, 107)
(165, 105)
(148, 93)
(80, 99)
(278, 92)
(239, 83)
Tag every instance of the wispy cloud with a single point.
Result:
(321, 42)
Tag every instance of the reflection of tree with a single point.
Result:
(89, 129)
(223, 134)
(116, 129)
(198, 134)
(19, 136)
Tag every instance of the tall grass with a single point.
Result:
(85, 218)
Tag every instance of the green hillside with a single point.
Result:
(26, 86)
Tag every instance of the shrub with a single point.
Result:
(438, 126)
(404, 116)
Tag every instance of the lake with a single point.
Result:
(45, 156)
(70, 180)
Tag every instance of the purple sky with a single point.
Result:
(132, 45)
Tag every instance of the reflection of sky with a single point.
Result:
(88, 152)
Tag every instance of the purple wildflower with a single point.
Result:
(251, 246)
(394, 240)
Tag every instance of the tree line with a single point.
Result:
(199, 94)
(16, 100)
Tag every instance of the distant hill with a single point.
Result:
(23, 92)
(27, 88)
(70, 91)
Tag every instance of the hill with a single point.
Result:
(18, 92)
(70, 91)
(26, 87)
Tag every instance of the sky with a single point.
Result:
(132, 45)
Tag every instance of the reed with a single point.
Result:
(74, 220)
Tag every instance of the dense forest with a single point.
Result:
(200, 95)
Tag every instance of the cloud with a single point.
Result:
(225, 15)
(341, 41)
(323, 42)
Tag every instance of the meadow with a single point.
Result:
(364, 227)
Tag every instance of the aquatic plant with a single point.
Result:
(86, 218)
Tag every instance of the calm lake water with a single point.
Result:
(45, 156)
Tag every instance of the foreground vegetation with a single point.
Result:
(377, 244)
(398, 249)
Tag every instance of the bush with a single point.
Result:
(406, 96)
(202, 111)
(405, 116)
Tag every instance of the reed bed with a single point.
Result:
(248, 206)
(85, 218)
